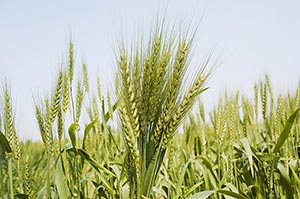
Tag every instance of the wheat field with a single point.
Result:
(151, 136)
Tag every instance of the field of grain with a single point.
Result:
(151, 137)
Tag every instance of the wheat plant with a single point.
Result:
(154, 99)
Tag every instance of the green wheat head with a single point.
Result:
(154, 97)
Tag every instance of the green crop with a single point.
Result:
(149, 140)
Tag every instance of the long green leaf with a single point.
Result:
(93, 162)
(201, 195)
(248, 150)
(4, 143)
(231, 194)
(286, 131)
(42, 193)
(152, 171)
(206, 194)
(190, 190)
(60, 180)
(208, 165)
(286, 181)
(87, 130)
(98, 167)
(106, 115)
(182, 176)
(21, 196)
(295, 177)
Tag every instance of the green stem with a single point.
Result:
(77, 169)
(2, 181)
(73, 114)
(10, 178)
(48, 173)
(19, 177)
(152, 171)
(1, 188)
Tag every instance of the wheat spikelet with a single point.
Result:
(185, 105)
(147, 72)
(156, 49)
(60, 124)
(249, 110)
(264, 98)
(202, 111)
(279, 113)
(213, 119)
(171, 154)
(8, 121)
(130, 138)
(55, 102)
(41, 123)
(248, 114)
(66, 93)
(150, 85)
(79, 100)
(47, 107)
(109, 106)
(218, 125)
(256, 102)
(57, 96)
(28, 188)
(157, 91)
(173, 85)
(158, 131)
(96, 116)
(177, 75)
(224, 124)
(51, 111)
(128, 94)
(100, 96)
(272, 105)
(89, 144)
(143, 101)
(71, 62)
(136, 77)
(204, 141)
(271, 95)
(117, 84)
(16, 147)
(140, 99)
(85, 78)
(238, 132)
(9, 126)
(231, 122)
(136, 74)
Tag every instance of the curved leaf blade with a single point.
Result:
(73, 129)
(4, 143)
(87, 130)
(286, 131)
(246, 145)
(201, 195)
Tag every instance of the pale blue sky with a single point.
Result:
(256, 37)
